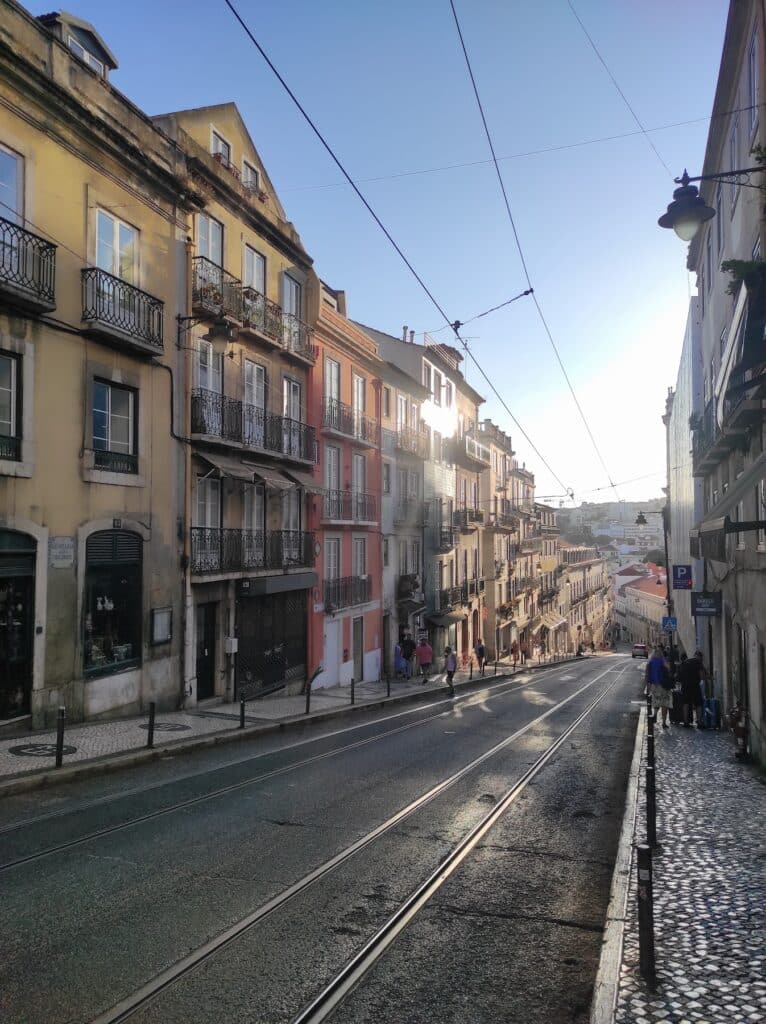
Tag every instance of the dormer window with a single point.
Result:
(85, 55)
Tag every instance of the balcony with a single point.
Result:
(261, 317)
(296, 339)
(501, 521)
(218, 551)
(339, 418)
(711, 444)
(411, 512)
(531, 544)
(119, 312)
(499, 569)
(447, 539)
(217, 417)
(214, 290)
(548, 595)
(346, 591)
(413, 442)
(467, 519)
(476, 586)
(114, 462)
(742, 406)
(467, 453)
(27, 268)
(451, 596)
(349, 507)
(10, 448)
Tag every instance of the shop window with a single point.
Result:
(112, 606)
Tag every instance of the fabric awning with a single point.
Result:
(309, 483)
(271, 477)
(551, 621)
(228, 466)
(447, 618)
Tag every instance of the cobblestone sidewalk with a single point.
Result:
(709, 889)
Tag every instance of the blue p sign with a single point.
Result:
(682, 577)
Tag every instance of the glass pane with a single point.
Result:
(112, 616)
(216, 243)
(100, 416)
(120, 431)
(128, 240)
(10, 186)
(105, 256)
(203, 241)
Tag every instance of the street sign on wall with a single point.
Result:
(682, 577)
(706, 605)
(669, 623)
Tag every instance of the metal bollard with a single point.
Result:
(352, 689)
(650, 720)
(470, 671)
(645, 913)
(308, 695)
(388, 684)
(495, 666)
(651, 808)
(242, 711)
(150, 733)
(650, 749)
(60, 719)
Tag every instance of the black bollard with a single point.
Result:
(495, 666)
(650, 724)
(470, 670)
(388, 684)
(308, 696)
(352, 689)
(242, 711)
(60, 719)
(651, 808)
(645, 914)
(150, 732)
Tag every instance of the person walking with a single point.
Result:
(659, 684)
(524, 651)
(481, 655)
(408, 652)
(690, 676)
(425, 656)
(514, 653)
(450, 667)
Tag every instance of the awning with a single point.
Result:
(227, 466)
(309, 483)
(551, 621)
(447, 618)
(410, 607)
(271, 477)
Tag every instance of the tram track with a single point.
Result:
(333, 993)
(496, 691)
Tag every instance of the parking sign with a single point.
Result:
(682, 577)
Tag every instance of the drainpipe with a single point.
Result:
(189, 668)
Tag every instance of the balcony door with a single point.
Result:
(255, 403)
(210, 384)
(12, 253)
(331, 571)
(117, 255)
(291, 526)
(291, 410)
(358, 404)
(333, 498)
(254, 517)
(206, 536)
(292, 303)
(332, 415)
(359, 485)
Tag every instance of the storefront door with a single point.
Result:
(206, 651)
(17, 613)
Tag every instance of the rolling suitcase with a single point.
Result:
(677, 711)
(711, 713)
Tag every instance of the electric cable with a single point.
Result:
(486, 312)
(383, 228)
(521, 251)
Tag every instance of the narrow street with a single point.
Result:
(303, 851)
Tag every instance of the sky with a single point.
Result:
(387, 85)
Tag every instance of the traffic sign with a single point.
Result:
(682, 577)
(708, 605)
(669, 623)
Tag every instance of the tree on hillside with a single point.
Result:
(656, 555)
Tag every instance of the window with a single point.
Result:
(332, 467)
(760, 511)
(413, 486)
(402, 557)
(401, 485)
(112, 606)
(387, 402)
(709, 258)
(292, 305)
(291, 526)
(209, 367)
(220, 147)
(437, 388)
(10, 407)
(360, 556)
(719, 218)
(448, 394)
(292, 402)
(250, 177)
(254, 411)
(401, 412)
(114, 427)
(254, 271)
(332, 558)
(11, 188)
(427, 377)
(385, 552)
(415, 556)
(210, 239)
(752, 82)
(85, 55)
(207, 509)
(386, 477)
(733, 160)
(116, 247)
(436, 452)
(254, 510)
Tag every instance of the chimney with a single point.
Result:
(412, 337)
(404, 333)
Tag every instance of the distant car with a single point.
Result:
(640, 651)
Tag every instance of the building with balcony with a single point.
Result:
(347, 636)
(728, 456)
(92, 230)
(585, 581)
(254, 447)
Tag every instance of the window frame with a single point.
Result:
(117, 223)
(90, 60)
(247, 180)
(216, 135)
(16, 421)
(132, 393)
(15, 216)
(207, 218)
(257, 256)
(121, 570)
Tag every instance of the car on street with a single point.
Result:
(639, 651)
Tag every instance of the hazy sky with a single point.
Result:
(387, 85)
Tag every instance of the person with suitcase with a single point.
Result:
(690, 676)
(659, 684)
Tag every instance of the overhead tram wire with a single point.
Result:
(454, 324)
(521, 251)
(486, 312)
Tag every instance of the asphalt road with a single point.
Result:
(514, 934)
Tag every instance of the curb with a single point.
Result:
(141, 755)
(607, 982)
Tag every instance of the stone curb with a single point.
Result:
(605, 989)
(131, 758)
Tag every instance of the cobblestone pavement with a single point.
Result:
(709, 889)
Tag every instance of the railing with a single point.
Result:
(548, 595)
(365, 428)
(467, 518)
(296, 337)
(411, 511)
(347, 591)
(476, 450)
(707, 434)
(532, 544)
(10, 448)
(110, 302)
(415, 442)
(215, 289)
(501, 521)
(219, 416)
(407, 586)
(114, 462)
(450, 596)
(446, 539)
(262, 315)
(349, 506)
(223, 550)
(346, 420)
(27, 263)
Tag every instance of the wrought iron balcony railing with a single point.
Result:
(346, 591)
(215, 289)
(296, 337)
(114, 462)
(451, 596)
(532, 544)
(10, 448)
(411, 512)
(217, 415)
(338, 416)
(414, 442)
(349, 507)
(468, 518)
(262, 315)
(447, 538)
(27, 266)
(120, 310)
(224, 550)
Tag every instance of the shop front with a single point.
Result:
(17, 616)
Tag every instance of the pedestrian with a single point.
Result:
(400, 665)
(425, 656)
(514, 653)
(450, 667)
(524, 651)
(481, 655)
(690, 675)
(408, 652)
(659, 684)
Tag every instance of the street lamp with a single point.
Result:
(220, 333)
(689, 211)
(640, 519)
